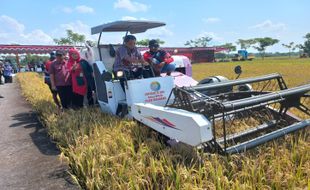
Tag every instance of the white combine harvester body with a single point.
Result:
(144, 99)
(184, 110)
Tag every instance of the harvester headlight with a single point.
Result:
(120, 74)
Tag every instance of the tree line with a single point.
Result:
(260, 44)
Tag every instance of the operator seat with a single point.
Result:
(108, 53)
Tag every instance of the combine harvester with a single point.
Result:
(243, 55)
(215, 114)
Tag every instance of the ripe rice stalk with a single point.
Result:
(105, 152)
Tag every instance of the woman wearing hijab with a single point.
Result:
(79, 82)
(82, 79)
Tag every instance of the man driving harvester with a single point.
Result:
(129, 62)
(159, 59)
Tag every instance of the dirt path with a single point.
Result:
(28, 159)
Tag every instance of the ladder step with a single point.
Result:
(267, 137)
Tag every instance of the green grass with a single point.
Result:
(105, 152)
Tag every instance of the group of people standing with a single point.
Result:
(71, 79)
(6, 72)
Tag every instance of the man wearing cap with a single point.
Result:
(128, 57)
(47, 79)
(61, 79)
(161, 60)
(129, 60)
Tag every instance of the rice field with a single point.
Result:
(295, 71)
(105, 152)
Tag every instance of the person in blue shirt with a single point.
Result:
(8, 72)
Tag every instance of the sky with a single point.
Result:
(40, 21)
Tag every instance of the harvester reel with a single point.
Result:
(252, 112)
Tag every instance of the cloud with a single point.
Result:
(37, 37)
(161, 32)
(128, 18)
(79, 9)
(269, 26)
(132, 18)
(79, 27)
(76, 26)
(211, 20)
(9, 24)
(84, 9)
(215, 37)
(131, 6)
(12, 31)
(164, 33)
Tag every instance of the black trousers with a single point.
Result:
(8, 79)
(77, 101)
(90, 98)
(90, 88)
(65, 93)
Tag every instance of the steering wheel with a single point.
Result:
(145, 68)
(149, 67)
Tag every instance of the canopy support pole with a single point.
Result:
(98, 45)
